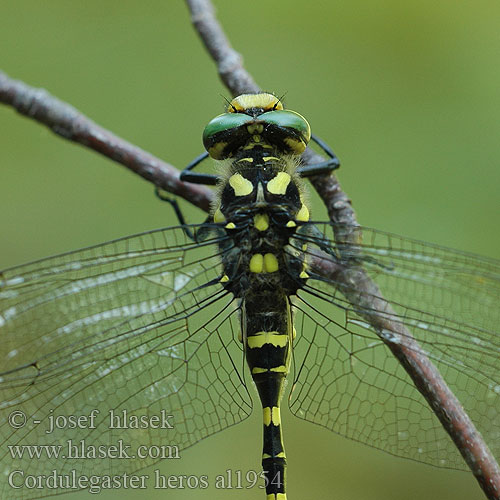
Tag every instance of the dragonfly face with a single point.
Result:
(159, 325)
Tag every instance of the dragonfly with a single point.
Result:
(131, 351)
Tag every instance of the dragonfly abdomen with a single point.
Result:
(267, 327)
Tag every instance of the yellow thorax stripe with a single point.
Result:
(241, 186)
(279, 183)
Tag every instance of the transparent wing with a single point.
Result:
(138, 325)
(347, 380)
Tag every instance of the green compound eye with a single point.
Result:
(294, 129)
(287, 130)
(218, 133)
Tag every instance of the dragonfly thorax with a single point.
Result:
(261, 208)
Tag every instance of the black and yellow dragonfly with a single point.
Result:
(140, 347)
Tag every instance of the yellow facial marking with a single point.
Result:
(231, 225)
(241, 186)
(263, 100)
(291, 223)
(270, 158)
(224, 279)
(278, 184)
(219, 216)
(256, 263)
(256, 138)
(261, 338)
(249, 159)
(261, 222)
(255, 128)
(302, 214)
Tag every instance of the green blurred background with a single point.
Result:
(407, 94)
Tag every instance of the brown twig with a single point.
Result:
(67, 122)
(229, 62)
